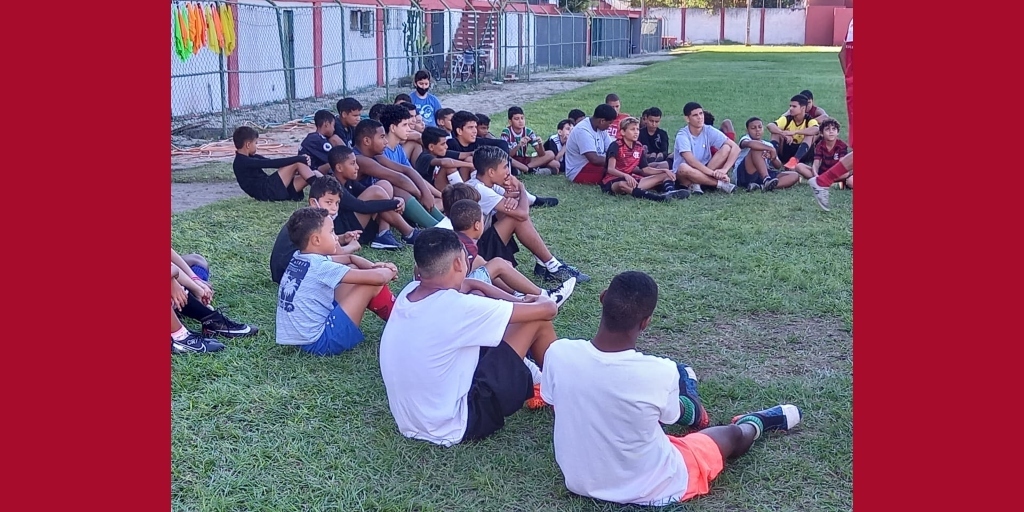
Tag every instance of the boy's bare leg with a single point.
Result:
(727, 128)
(688, 175)
(502, 286)
(542, 160)
(621, 188)
(386, 219)
(804, 170)
(659, 165)
(176, 323)
(527, 234)
(297, 175)
(195, 260)
(554, 165)
(787, 179)
(849, 182)
(354, 298)
(650, 182)
(502, 270)
(534, 337)
(722, 159)
(521, 167)
(732, 440)
(756, 166)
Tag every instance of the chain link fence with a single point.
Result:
(290, 59)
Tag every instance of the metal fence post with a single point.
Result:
(384, 30)
(284, 67)
(344, 36)
(223, 96)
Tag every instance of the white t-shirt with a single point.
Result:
(609, 407)
(489, 199)
(583, 139)
(428, 355)
(305, 297)
(700, 144)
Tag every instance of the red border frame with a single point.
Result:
(88, 402)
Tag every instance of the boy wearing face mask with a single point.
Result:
(426, 104)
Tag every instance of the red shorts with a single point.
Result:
(703, 462)
(525, 160)
(590, 174)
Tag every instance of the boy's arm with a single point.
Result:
(178, 261)
(810, 130)
(515, 208)
(371, 167)
(379, 276)
(471, 285)
(420, 189)
(533, 308)
(352, 203)
(774, 129)
(696, 164)
(821, 117)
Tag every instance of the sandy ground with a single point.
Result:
(284, 141)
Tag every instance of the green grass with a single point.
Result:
(755, 293)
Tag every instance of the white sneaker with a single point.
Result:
(534, 370)
(752, 187)
(820, 193)
(726, 187)
(695, 189)
(562, 293)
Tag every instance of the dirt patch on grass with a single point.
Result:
(763, 346)
(285, 140)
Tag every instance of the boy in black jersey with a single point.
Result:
(287, 184)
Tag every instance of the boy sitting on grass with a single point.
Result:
(506, 215)
(610, 401)
(627, 170)
(318, 143)
(827, 153)
(444, 120)
(468, 222)
(369, 143)
(556, 143)
(350, 112)
(292, 176)
(758, 162)
(458, 379)
(483, 127)
(520, 137)
(576, 115)
(695, 164)
(321, 302)
(372, 210)
(654, 139)
(184, 341)
(439, 166)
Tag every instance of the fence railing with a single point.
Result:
(292, 58)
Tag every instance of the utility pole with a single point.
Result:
(748, 22)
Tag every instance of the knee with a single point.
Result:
(196, 260)
(376, 192)
(555, 165)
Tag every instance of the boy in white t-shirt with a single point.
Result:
(507, 215)
(758, 164)
(454, 363)
(610, 402)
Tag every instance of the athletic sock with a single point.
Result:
(553, 265)
(180, 334)
(688, 411)
(530, 197)
(643, 194)
(436, 214)
(454, 177)
(832, 174)
(801, 151)
(382, 304)
(669, 186)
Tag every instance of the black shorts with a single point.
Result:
(501, 385)
(788, 151)
(275, 190)
(607, 187)
(743, 179)
(347, 221)
(491, 246)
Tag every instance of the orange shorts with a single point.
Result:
(703, 462)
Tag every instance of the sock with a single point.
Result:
(383, 231)
(688, 411)
(801, 151)
(382, 304)
(455, 177)
(832, 174)
(753, 420)
(417, 215)
(532, 198)
(180, 334)
(534, 370)
(436, 214)
(643, 194)
(669, 186)
(553, 265)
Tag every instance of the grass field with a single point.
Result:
(755, 293)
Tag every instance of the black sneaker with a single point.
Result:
(769, 184)
(678, 193)
(195, 343)
(411, 239)
(219, 325)
(563, 273)
(545, 201)
(539, 269)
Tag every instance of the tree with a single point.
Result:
(574, 5)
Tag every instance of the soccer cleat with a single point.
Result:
(562, 293)
(689, 400)
(217, 324)
(820, 193)
(769, 184)
(545, 201)
(194, 343)
(696, 190)
(791, 164)
(677, 193)
(563, 274)
(385, 241)
(779, 418)
(536, 402)
(411, 239)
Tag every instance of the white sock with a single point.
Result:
(534, 370)
(553, 265)
(455, 177)
(531, 197)
(180, 334)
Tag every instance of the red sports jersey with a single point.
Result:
(627, 159)
(613, 130)
(829, 158)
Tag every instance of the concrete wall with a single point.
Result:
(781, 26)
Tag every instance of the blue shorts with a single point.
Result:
(480, 274)
(201, 272)
(367, 181)
(743, 179)
(340, 335)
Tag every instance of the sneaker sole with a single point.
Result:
(677, 194)
(771, 185)
(383, 247)
(231, 334)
